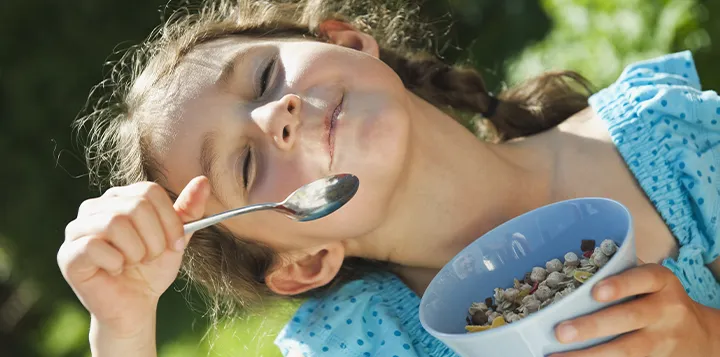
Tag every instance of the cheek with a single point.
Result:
(378, 161)
(373, 147)
(281, 177)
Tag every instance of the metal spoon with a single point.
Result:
(312, 201)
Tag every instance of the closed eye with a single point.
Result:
(246, 168)
(265, 77)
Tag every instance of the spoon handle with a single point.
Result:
(217, 218)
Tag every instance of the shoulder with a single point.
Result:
(586, 123)
(360, 318)
(374, 316)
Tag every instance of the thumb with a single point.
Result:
(190, 204)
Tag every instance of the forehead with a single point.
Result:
(167, 105)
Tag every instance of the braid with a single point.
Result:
(532, 107)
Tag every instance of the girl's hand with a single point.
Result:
(124, 250)
(663, 321)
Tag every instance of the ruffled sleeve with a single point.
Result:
(374, 316)
(668, 131)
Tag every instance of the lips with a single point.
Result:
(331, 125)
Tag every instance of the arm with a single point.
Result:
(107, 342)
(123, 252)
(712, 325)
(715, 268)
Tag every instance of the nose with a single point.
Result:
(280, 120)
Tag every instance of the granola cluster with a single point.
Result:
(540, 287)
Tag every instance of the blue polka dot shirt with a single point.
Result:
(667, 130)
(374, 316)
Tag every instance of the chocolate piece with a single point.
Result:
(489, 302)
(587, 245)
(479, 318)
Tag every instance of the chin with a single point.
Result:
(370, 208)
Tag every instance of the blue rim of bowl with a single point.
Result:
(540, 313)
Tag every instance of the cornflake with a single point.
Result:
(540, 287)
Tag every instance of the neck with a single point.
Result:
(454, 189)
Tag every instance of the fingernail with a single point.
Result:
(179, 245)
(566, 332)
(605, 291)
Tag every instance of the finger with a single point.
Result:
(143, 216)
(169, 219)
(147, 223)
(156, 194)
(80, 259)
(629, 316)
(190, 204)
(105, 204)
(123, 236)
(135, 189)
(105, 256)
(88, 207)
(95, 225)
(635, 344)
(645, 279)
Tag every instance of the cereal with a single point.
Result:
(494, 315)
(511, 294)
(598, 258)
(608, 247)
(540, 287)
(554, 265)
(496, 322)
(571, 260)
(543, 293)
(478, 306)
(511, 317)
(529, 305)
(527, 279)
(582, 276)
(538, 274)
(555, 279)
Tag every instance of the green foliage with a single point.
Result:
(51, 54)
(599, 38)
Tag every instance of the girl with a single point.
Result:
(243, 103)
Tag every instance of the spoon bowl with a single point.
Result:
(320, 197)
(309, 202)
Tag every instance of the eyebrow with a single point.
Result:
(228, 69)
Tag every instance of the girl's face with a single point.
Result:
(262, 117)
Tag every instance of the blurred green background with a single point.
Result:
(52, 52)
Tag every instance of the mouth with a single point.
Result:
(331, 126)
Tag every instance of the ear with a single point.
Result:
(343, 34)
(308, 271)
